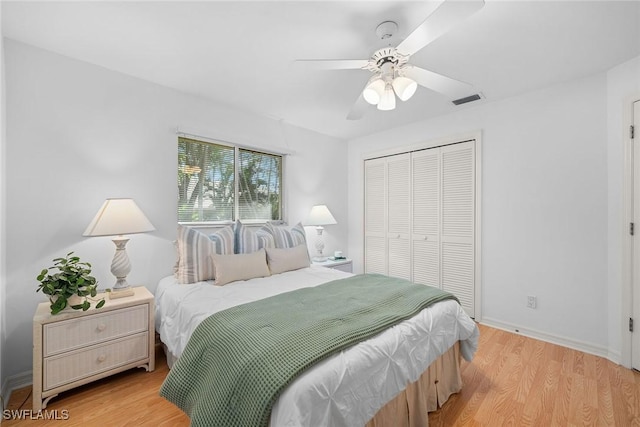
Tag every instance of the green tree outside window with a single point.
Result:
(207, 187)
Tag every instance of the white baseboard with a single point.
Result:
(554, 339)
(15, 382)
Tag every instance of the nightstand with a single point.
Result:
(77, 347)
(339, 264)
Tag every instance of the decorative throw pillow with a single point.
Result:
(230, 268)
(288, 237)
(195, 249)
(287, 259)
(250, 240)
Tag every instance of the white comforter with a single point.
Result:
(346, 389)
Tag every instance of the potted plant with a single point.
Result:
(70, 285)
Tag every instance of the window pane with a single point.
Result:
(259, 186)
(205, 181)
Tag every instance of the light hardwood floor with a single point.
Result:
(513, 380)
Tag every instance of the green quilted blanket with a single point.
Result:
(239, 360)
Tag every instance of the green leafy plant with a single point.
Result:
(68, 277)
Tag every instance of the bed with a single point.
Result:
(382, 378)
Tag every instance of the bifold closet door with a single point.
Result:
(425, 209)
(387, 216)
(420, 218)
(457, 232)
(375, 201)
(399, 215)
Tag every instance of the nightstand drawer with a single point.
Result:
(343, 267)
(344, 264)
(73, 366)
(85, 331)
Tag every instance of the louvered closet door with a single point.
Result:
(425, 208)
(399, 215)
(457, 223)
(375, 222)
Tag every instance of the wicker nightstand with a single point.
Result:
(76, 347)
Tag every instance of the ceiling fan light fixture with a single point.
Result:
(374, 91)
(392, 72)
(388, 99)
(404, 87)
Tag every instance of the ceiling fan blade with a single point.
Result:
(452, 88)
(446, 15)
(331, 64)
(358, 109)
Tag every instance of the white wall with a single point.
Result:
(623, 87)
(78, 133)
(544, 206)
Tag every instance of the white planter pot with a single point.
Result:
(72, 300)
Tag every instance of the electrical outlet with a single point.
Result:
(532, 301)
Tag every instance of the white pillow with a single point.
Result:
(281, 260)
(229, 268)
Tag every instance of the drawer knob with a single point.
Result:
(102, 358)
(102, 327)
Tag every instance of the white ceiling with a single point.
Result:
(242, 54)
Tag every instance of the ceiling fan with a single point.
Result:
(393, 75)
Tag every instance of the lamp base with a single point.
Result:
(121, 293)
(319, 258)
(120, 267)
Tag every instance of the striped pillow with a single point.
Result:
(288, 237)
(251, 240)
(195, 250)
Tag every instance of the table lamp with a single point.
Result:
(117, 217)
(318, 217)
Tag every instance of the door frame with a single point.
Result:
(626, 301)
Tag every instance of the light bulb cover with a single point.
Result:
(374, 90)
(388, 99)
(404, 87)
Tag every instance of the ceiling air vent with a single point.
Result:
(466, 99)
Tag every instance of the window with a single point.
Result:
(221, 183)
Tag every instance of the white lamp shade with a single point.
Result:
(118, 216)
(373, 92)
(319, 216)
(388, 100)
(404, 87)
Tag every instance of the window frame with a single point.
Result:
(236, 182)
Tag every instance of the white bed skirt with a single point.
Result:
(411, 407)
